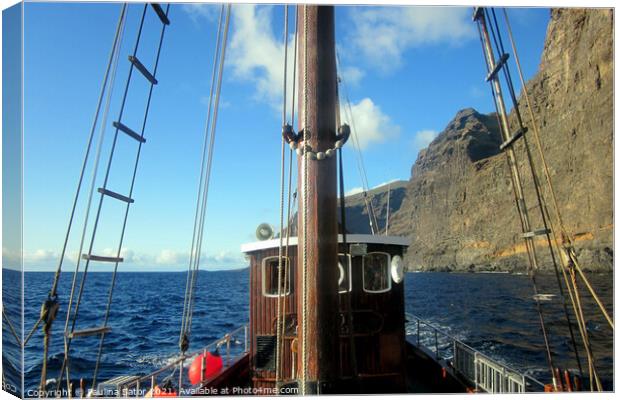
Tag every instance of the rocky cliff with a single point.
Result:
(458, 208)
(391, 195)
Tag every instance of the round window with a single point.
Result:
(398, 269)
(341, 276)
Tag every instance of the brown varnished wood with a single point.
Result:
(317, 107)
(265, 315)
(381, 355)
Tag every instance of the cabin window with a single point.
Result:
(270, 277)
(344, 273)
(376, 273)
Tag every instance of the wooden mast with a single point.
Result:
(317, 98)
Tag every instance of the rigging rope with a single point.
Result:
(304, 275)
(110, 71)
(586, 341)
(566, 238)
(282, 173)
(112, 56)
(372, 218)
(98, 214)
(183, 335)
(11, 327)
(190, 296)
(347, 267)
(286, 275)
(347, 273)
(131, 188)
(33, 330)
(516, 183)
(49, 307)
(543, 205)
(539, 196)
(567, 256)
(213, 131)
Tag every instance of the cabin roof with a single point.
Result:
(351, 238)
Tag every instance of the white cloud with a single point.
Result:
(423, 138)
(131, 257)
(225, 259)
(383, 34)
(351, 75)
(197, 11)
(369, 123)
(171, 258)
(256, 54)
(11, 258)
(43, 258)
(40, 257)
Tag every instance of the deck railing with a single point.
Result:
(231, 347)
(482, 371)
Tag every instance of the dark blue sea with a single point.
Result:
(494, 313)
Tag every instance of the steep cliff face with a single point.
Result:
(390, 195)
(459, 208)
(572, 97)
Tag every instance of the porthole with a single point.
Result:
(397, 268)
(344, 273)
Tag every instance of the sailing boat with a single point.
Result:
(327, 310)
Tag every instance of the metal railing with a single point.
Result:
(231, 346)
(482, 371)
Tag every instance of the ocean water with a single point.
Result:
(493, 313)
(496, 315)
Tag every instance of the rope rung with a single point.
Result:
(115, 195)
(92, 257)
(160, 13)
(537, 232)
(498, 65)
(130, 132)
(140, 67)
(90, 332)
(515, 136)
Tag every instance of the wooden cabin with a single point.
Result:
(371, 275)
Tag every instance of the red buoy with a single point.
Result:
(212, 365)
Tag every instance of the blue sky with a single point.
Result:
(408, 71)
